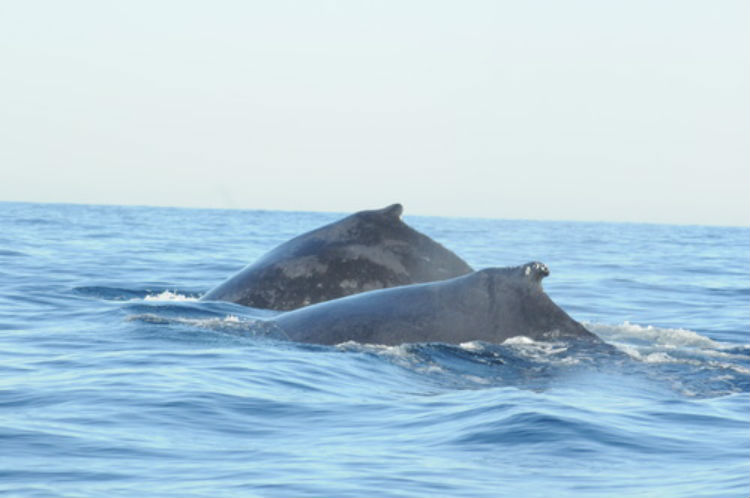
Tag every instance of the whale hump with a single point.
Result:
(367, 250)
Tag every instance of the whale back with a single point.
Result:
(490, 305)
(365, 251)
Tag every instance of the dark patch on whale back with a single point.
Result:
(315, 287)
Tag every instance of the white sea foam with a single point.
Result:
(651, 355)
(472, 346)
(519, 340)
(628, 332)
(229, 321)
(169, 296)
(539, 351)
(656, 345)
(370, 348)
(400, 354)
(648, 355)
(477, 380)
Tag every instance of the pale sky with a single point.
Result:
(613, 110)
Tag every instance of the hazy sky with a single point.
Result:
(634, 110)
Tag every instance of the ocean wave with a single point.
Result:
(682, 360)
(228, 323)
(687, 361)
(8, 252)
(208, 323)
(156, 393)
(629, 332)
(124, 294)
(656, 345)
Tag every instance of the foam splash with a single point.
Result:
(655, 345)
(169, 296)
(540, 351)
(519, 340)
(691, 363)
(472, 346)
(402, 355)
(629, 332)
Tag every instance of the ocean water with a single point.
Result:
(116, 381)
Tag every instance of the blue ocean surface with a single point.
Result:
(116, 381)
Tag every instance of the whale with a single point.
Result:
(365, 251)
(489, 305)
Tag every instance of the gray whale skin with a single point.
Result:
(364, 251)
(489, 305)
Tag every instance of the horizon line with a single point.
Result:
(417, 214)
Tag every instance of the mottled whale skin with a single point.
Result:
(490, 305)
(365, 251)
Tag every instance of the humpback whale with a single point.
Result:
(489, 305)
(365, 251)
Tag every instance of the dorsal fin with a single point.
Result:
(535, 271)
(389, 213)
(393, 211)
